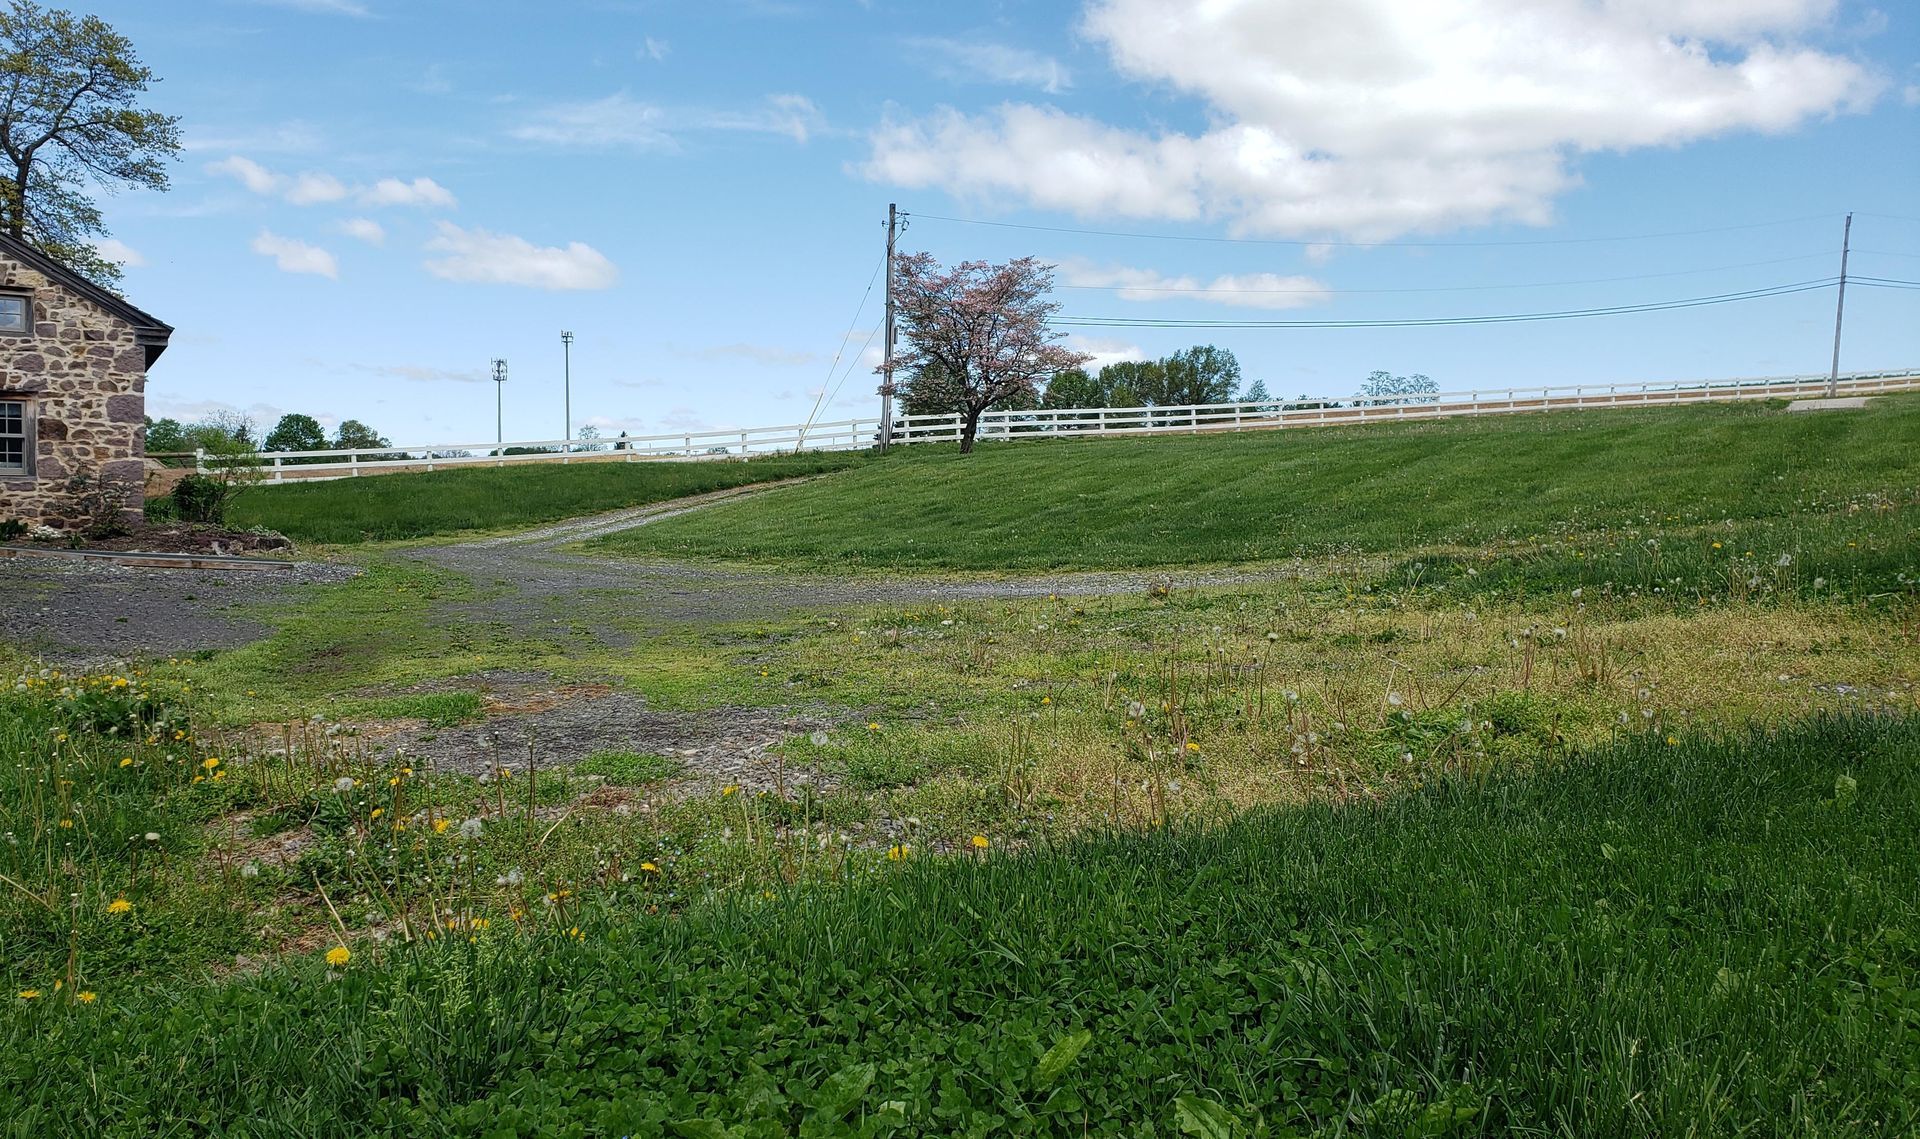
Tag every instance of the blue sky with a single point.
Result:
(379, 196)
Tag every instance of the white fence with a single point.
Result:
(856, 434)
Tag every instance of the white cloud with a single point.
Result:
(312, 188)
(1376, 117)
(654, 49)
(113, 249)
(248, 173)
(1241, 290)
(994, 63)
(419, 192)
(295, 256)
(1103, 351)
(1910, 95)
(364, 229)
(479, 257)
(619, 120)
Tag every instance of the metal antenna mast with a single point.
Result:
(499, 403)
(566, 379)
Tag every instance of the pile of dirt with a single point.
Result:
(178, 538)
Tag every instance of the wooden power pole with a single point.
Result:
(1839, 311)
(886, 363)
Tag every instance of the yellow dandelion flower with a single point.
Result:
(440, 826)
(377, 812)
(210, 763)
(981, 842)
(86, 996)
(339, 955)
(1191, 746)
(127, 762)
(66, 824)
(29, 994)
(1673, 741)
(119, 906)
(896, 853)
(1046, 700)
(649, 868)
(729, 789)
(873, 727)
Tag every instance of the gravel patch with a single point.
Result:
(531, 719)
(79, 613)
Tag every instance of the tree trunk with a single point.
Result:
(968, 429)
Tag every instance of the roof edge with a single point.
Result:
(152, 331)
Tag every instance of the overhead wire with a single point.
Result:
(1439, 322)
(1301, 242)
(841, 351)
(1446, 288)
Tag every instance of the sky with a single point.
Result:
(376, 198)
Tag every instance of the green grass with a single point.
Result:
(629, 768)
(417, 505)
(1715, 936)
(1271, 495)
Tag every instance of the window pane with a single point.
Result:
(13, 453)
(13, 314)
(12, 418)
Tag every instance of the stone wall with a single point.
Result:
(86, 378)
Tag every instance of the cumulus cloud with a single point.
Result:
(476, 256)
(1241, 290)
(113, 249)
(1104, 351)
(654, 49)
(992, 63)
(419, 192)
(620, 120)
(314, 187)
(364, 229)
(1374, 118)
(295, 256)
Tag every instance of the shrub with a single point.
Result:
(201, 498)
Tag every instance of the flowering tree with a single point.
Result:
(978, 333)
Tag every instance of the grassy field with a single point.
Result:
(1666, 936)
(417, 505)
(1492, 818)
(1274, 495)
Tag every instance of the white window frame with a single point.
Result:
(26, 299)
(28, 441)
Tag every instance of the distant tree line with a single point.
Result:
(228, 432)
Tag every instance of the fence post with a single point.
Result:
(276, 469)
(199, 460)
(353, 465)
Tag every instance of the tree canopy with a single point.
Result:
(296, 432)
(976, 335)
(69, 123)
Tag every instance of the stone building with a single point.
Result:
(73, 378)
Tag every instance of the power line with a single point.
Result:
(841, 351)
(1885, 282)
(1446, 288)
(1370, 244)
(1437, 322)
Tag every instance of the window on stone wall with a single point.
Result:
(15, 455)
(16, 313)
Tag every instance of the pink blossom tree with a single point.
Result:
(978, 333)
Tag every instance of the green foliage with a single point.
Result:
(415, 505)
(438, 709)
(1385, 387)
(1112, 503)
(200, 498)
(352, 434)
(1201, 374)
(73, 125)
(1713, 936)
(166, 436)
(296, 432)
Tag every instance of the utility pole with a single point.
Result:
(499, 403)
(566, 380)
(1840, 309)
(886, 366)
